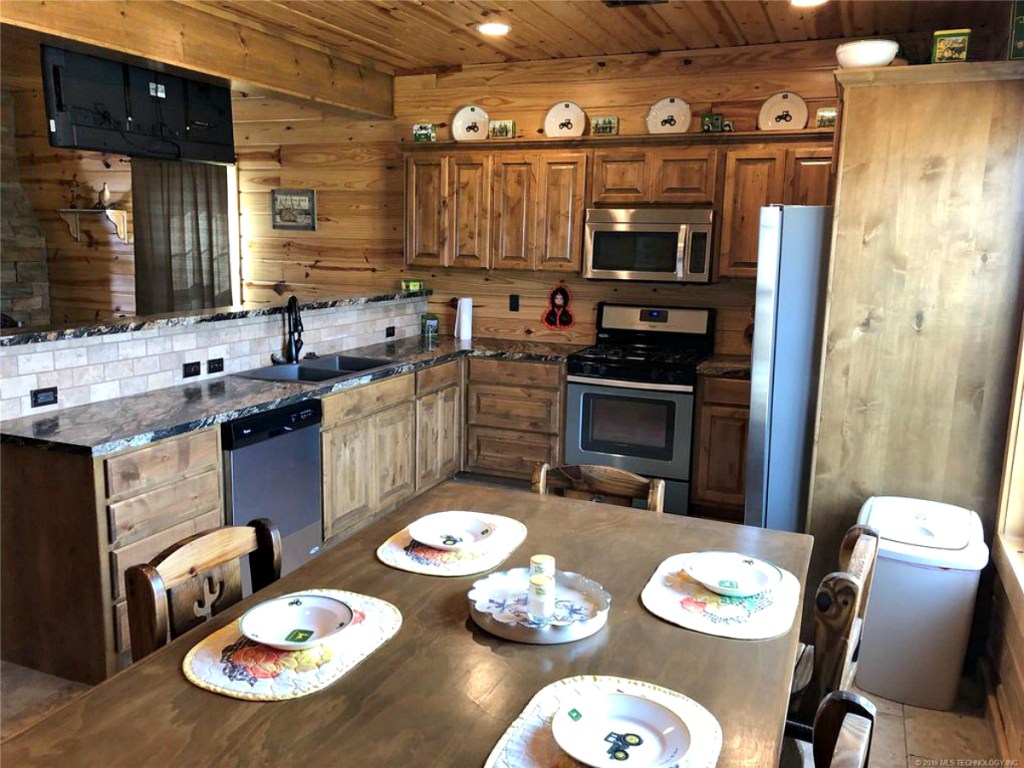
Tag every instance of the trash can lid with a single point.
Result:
(926, 532)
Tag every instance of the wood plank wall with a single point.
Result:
(925, 298)
(357, 168)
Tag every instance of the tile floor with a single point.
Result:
(910, 737)
(27, 696)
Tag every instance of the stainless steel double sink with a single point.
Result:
(327, 368)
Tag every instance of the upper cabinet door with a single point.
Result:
(514, 204)
(561, 182)
(683, 175)
(808, 176)
(621, 177)
(469, 207)
(753, 179)
(426, 219)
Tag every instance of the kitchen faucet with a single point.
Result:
(294, 343)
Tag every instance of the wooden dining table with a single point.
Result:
(442, 691)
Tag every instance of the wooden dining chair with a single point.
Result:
(840, 737)
(195, 579)
(606, 485)
(839, 608)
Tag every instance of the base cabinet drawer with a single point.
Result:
(509, 453)
(139, 516)
(524, 408)
(147, 467)
(515, 373)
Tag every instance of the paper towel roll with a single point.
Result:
(464, 319)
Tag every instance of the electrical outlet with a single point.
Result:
(216, 365)
(389, 331)
(513, 302)
(45, 396)
(188, 370)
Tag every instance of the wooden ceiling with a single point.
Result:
(412, 35)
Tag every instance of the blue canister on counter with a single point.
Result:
(429, 325)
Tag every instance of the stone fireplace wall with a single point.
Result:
(24, 279)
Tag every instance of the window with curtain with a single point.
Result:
(182, 257)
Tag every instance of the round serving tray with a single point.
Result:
(497, 604)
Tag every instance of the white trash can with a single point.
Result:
(919, 613)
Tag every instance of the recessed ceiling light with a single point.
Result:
(807, 3)
(493, 28)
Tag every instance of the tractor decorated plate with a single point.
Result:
(732, 574)
(452, 531)
(616, 727)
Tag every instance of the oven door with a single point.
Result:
(643, 428)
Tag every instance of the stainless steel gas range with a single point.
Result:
(630, 397)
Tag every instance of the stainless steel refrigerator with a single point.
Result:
(792, 267)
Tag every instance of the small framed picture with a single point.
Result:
(502, 129)
(604, 125)
(825, 117)
(293, 209)
(950, 45)
(424, 132)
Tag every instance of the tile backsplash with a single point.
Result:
(95, 368)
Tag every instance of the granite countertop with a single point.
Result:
(726, 367)
(114, 425)
(14, 336)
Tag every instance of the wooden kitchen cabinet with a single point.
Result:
(514, 211)
(562, 196)
(426, 208)
(502, 210)
(469, 209)
(719, 470)
(79, 535)
(656, 175)
(753, 179)
(439, 423)
(808, 176)
(367, 452)
(514, 416)
(756, 177)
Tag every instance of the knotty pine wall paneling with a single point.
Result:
(357, 168)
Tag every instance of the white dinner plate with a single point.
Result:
(604, 730)
(294, 622)
(565, 119)
(452, 531)
(669, 115)
(470, 124)
(732, 574)
(784, 111)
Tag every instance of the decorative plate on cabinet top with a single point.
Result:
(470, 124)
(783, 111)
(566, 119)
(669, 115)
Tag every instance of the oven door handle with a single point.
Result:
(646, 386)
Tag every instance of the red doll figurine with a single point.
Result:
(558, 315)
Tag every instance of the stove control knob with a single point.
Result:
(655, 374)
(602, 370)
(588, 369)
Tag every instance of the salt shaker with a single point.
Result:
(542, 565)
(540, 601)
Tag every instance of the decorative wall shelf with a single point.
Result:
(620, 140)
(73, 218)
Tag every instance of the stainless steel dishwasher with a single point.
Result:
(272, 469)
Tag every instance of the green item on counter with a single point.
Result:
(429, 324)
(412, 284)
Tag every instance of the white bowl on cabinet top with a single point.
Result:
(866, 53)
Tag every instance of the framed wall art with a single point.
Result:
(293, 209)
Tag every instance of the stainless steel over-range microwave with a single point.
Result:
(664, 244)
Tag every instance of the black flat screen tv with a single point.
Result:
(109, 106)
